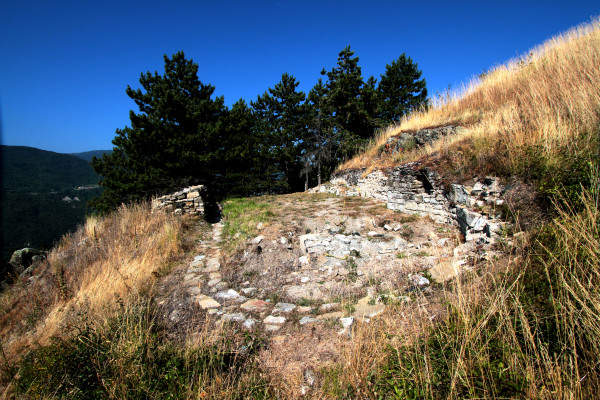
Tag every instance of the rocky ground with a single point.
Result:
(322, 265)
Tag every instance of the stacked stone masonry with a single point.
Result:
(186, 201)
(414, 190)
(408, 141)
(406, 188)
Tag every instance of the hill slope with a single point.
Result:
(34, 191)
(27, 169)
(88, 155)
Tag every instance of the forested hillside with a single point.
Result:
(41, 196)
(88, 155)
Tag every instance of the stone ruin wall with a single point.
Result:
(414, 190)
(406, 188)
(186, 201)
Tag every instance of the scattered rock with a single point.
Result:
(271, 320)
(207, 302)
(213, 282)
(308, 320)
(233, 317)
(419, 281)
(249, 291)
(284, 308)
(255, 305)
(303, 260)
(444, 271)
(230, 295)
(329, 307)
(249, 324)
(374, 234)
(23, 259)
(272, 328)
(346, 325)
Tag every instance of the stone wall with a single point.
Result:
(411, 189)
(407, 188)
(186, 201)
(408, 141)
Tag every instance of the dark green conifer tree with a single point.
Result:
(320, 144)
(345, 104)
(173, 140)
(281, 127)
(401, 90)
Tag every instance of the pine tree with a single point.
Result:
(239, 163)
(320, 141)
(173, 140)
(401, 90)
(281, 125)
(345, 103)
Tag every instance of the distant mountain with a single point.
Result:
(43, 195)
(87, 155)
(27, 169)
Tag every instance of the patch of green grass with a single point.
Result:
(401, 255)
(422, 253)
(349, 309)
(304, 302)
(352, 268)
(242, 217)
(406, 232)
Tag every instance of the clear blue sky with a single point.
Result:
(64, 65)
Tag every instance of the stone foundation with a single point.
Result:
(407, 188)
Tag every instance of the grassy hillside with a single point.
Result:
(34, 184)
(106, 317)
(534, 117)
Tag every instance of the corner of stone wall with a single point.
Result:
(186, 201)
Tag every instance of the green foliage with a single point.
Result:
(173, 141)
(33, 184)
(345, 104)
(440, 356)
(242, 217)
(320, 143)
(31, 170)
(400, 90)
(182, 136)
(282, 131)
(88, 155)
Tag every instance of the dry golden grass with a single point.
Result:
(526, 326)
(104, 262)
(544, 99)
